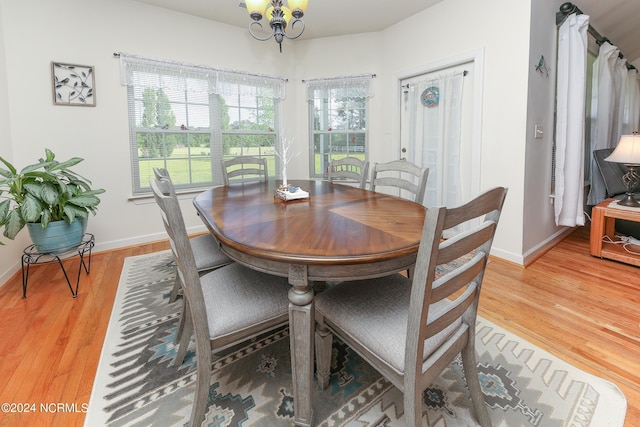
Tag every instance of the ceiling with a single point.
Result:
(614, 19)
(617, 21)
(324, 18)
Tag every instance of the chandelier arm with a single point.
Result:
(262, 39)
(293, 24)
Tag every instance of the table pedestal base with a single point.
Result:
(301, 320)
(301, 327)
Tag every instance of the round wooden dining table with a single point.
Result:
(339, 233)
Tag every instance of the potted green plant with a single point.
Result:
(47, 197)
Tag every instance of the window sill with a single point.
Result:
(144, 199)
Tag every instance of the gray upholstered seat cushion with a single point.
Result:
(207, 252)
(237, 298)
(376, 311)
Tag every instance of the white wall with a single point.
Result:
(10, 255)
(500, 29)
(88, 32)
(539, 210)
(435, 36)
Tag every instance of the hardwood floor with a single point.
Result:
(51, 342)
(582, 309)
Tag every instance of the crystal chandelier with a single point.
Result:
(278, 16)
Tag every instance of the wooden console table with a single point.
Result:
(603, 221)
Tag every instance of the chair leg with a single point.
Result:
(470, 368)
(203, 382)
(324, 341)
(176, 290)
(413, 408)
(185, 338)
(181, 322)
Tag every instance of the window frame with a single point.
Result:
(212, 88)
(354, 89)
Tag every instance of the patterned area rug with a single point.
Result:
(138, 384)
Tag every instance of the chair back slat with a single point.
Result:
(453, 281)
(483, 205)
(439, 321)
(349, 168)
(245, 168)
(391, 181)
(464, 243)
(161, 173)
(166, 187)
(401, 174)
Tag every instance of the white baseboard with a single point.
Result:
(534, 253)
(106, 246)
(507, 256)
(139, 240)
(8, 274)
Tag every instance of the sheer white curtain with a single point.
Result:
(160, 73)
(632, 103)
(619, 87)
(570, 133)
(615, 109)
(434, 137)
(603, 111)
(356, 86)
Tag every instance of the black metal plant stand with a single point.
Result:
(83, 250)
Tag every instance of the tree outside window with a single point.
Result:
(189, 132)
(339, 128)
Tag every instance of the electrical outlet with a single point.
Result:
(538, 132)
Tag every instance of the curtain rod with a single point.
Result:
(569, 8)
(117, 55)
(340, 77)
(464, 73)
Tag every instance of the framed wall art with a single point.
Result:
(73, 84)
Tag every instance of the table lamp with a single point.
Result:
(627, 152)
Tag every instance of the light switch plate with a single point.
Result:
(538, 132)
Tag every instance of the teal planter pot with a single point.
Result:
(58, 237)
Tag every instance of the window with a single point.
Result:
(248, 126)
(187, 119)
(338, 120)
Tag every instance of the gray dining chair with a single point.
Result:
(411, 329)
(205, 247)
(401, 174)
(245, 168)
(227, 306)
(349, 170)
(208, 256)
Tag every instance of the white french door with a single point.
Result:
(436, 122)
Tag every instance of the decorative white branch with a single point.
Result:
(286, 156)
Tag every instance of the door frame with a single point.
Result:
(477, 57)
